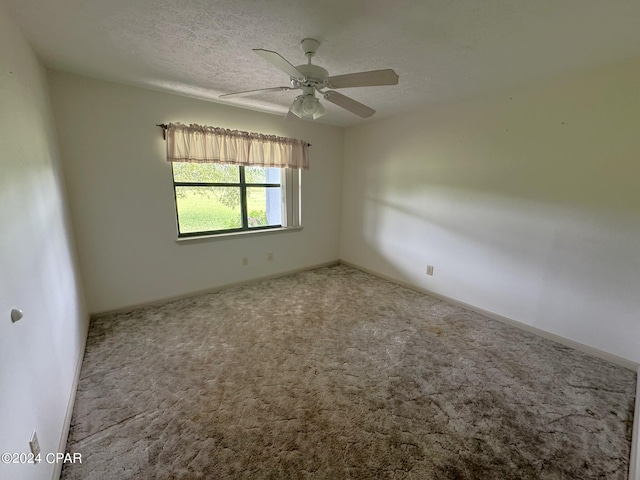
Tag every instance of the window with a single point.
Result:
(228, 181)
(214, 198)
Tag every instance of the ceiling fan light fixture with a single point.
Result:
(320, 112)
(307, 106)
(296, 107)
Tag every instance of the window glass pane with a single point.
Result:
(202, 209)
(264, 206)
(205, 172)
(262, 175)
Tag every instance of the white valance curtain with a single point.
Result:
(202, 144)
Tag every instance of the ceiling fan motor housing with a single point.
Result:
(314, 75)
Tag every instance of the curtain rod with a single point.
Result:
(164, 127)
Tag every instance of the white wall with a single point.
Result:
(526, 202)
(40, 353)
(121, 195)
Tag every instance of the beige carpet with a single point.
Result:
(336, 374)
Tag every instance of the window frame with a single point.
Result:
(290, 202)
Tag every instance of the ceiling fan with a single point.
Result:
(313, 78)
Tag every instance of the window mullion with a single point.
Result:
(243, 199)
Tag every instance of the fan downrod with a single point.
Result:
(315, 77)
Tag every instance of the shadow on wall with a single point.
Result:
(528, 216)
(561, 269)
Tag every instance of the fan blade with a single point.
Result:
(364, 79)
(255, 92)
(279, 61)
(349, 104)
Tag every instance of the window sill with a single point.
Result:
(237, 234)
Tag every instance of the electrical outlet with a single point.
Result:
(429, 269)
(245, 261)
(34, 446)
(270, 257)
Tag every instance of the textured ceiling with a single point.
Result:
(442, 49)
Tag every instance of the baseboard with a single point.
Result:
(634, 462)
(160, 301)
(64, 436)
(623, 362)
